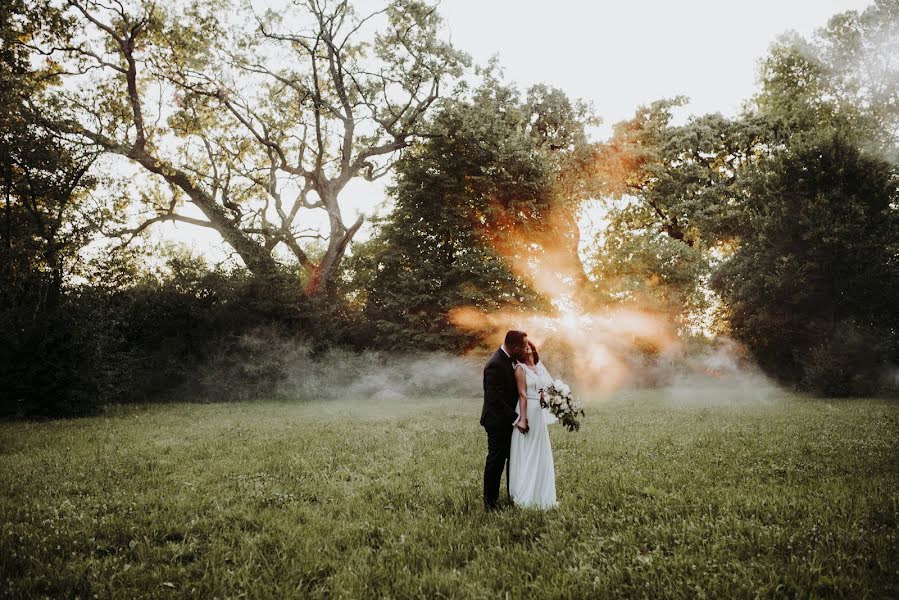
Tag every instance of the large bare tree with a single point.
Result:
(257, 118)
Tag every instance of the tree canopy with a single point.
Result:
(255, 127)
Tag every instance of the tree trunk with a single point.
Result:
(326, 271)
(55, 292)
(563, 234)
(324, 274)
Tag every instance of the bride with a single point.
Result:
(532, 478)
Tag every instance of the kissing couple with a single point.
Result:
(514, 380)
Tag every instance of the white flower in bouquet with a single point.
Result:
(558, 399)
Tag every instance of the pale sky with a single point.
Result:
(622, 54)
(616, 55)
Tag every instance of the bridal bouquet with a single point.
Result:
(558, 399)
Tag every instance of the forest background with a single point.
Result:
(767, 240)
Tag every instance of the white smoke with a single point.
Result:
(715, 374)
(265, 365)
(378, 376)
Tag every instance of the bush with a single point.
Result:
(147, 338)
(852, 361)
(68, 359)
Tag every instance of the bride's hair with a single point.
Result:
(534, 352)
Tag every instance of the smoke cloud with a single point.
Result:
(264, 365)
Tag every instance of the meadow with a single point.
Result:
(786, 497)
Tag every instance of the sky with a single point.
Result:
(616, 55)
(620, 55)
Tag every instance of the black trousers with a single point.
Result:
(499, 443)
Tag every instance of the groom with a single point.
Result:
(498, 415)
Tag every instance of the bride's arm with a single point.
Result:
(522, 381)
(547, 378)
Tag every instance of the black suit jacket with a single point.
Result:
(500, 392)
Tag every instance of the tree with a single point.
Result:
(783, 205)
(495, 188)
(256, 129)
(47, 360)
(676, 199)
(45, 181)
(845, 76)
(809, 286)
(645, 268)
(819, 252)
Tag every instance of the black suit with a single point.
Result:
(497, 416)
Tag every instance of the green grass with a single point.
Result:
(790, 498)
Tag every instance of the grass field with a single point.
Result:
(787, 498)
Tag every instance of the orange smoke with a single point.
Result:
(599, 345)
(596, 346)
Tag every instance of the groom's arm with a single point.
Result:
(495, 388)
(492, 383)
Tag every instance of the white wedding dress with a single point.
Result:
(532, 477)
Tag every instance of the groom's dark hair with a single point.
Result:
(514, 339)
